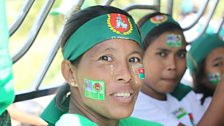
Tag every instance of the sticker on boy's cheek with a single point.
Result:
(173, 40)
(214, 78)
(139, 70)
(94, 89)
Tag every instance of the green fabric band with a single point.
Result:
(200, 49)
(99, 29)
(156, 21)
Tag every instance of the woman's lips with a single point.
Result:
(123, 97)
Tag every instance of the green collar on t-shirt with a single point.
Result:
(181, 91)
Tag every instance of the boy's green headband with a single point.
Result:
(201, 48)
(156, 21)
(99, 29)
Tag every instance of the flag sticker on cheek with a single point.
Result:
(94, 89)
(141, 72)
(214, 78)
(173, 40)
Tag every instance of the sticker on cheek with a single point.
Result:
(139, 69)
(214, 78)
(94, 89)
(173, 40)
(141, 72)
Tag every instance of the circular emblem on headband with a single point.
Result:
(159, 19)
(119, 24)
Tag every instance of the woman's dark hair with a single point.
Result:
(199, 83)
(76, 20)
(62, 98)
(157, 31)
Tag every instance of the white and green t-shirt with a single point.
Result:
(181, 106)
(79, 120)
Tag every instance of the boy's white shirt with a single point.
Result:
(152, 109)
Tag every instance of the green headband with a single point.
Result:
(99, 29)
(200, 48)
(156, 21)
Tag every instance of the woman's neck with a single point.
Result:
(76, 106)
(105, 122)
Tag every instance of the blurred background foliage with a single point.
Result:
(27, 68)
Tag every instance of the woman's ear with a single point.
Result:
(68, 73)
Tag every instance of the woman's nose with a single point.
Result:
(123, 72)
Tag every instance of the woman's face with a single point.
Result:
(214, 67)
(164, 64)
(114, 62)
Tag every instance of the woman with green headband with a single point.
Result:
(163, 98)
(205, 61)
(103, 68)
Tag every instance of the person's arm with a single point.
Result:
(215, 112)
(25, 117)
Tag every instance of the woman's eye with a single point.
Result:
(219, 64)
(182, 55)
(135, 59)
(105, 58)
(162, 54)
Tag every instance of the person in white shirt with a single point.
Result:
(163, 98)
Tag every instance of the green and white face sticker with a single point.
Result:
(174, 40)
(141, 71)
(214, 78)
(94, 89)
